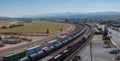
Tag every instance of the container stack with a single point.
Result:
(52, 43)
(11, 41)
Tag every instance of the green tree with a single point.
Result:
(105, 33)
(4, 27)
(47, 31)
(61, 30)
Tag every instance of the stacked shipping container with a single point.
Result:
(11, 41)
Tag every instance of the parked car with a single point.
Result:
(115, 51)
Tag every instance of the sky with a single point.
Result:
(17, 8)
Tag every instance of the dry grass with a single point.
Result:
(38, 27)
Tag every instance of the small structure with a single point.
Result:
(116, 27)
(11, 41)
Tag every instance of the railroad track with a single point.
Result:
(89, 32)
(73, 42)
(63, 50)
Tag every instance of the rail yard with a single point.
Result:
(73, 44)
(65, 45)
(41, 39)
(69, 44)
(59, 30)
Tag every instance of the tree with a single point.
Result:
(47, 31)
(105, 33)
(4, 27)
(61, 30)
(10, 26)
(16, 25)
(108, 39)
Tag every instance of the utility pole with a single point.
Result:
(91, 51)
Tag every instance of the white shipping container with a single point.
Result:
(52, 43)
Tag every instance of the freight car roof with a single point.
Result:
(14, 53)
(11, 39)
(33, 47)
(52, 41)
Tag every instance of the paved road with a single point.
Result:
(99, 52)
(115, 36)
(34, 42)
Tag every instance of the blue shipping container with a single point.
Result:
(52, 43)
(32, 50)
(63, 38)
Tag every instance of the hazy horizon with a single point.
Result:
(16, 8)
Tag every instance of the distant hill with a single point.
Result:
(108, 14)
(4, 17)
(94, 14)
(1, 18)
(53, 15)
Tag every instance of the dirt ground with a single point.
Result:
(97, 37)
(34, 38)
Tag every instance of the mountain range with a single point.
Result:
(70, 14)
(94, 14)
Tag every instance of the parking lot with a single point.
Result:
(99, 51)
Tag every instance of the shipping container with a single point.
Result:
(58, 45)
(66, 53)
(44, 48)
(63, 38)
(2, 44)
(26, 58)
(33, 50)
(49, 50)
(11, 41)
(41, 54)
(65, 42)
(15, 56)
(52, 43)
(59, 57)
(34, 57)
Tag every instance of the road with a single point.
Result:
(115, 37)
(34, 42)
(99, 53)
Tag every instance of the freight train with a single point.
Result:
(70, 49)
(42, 53)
